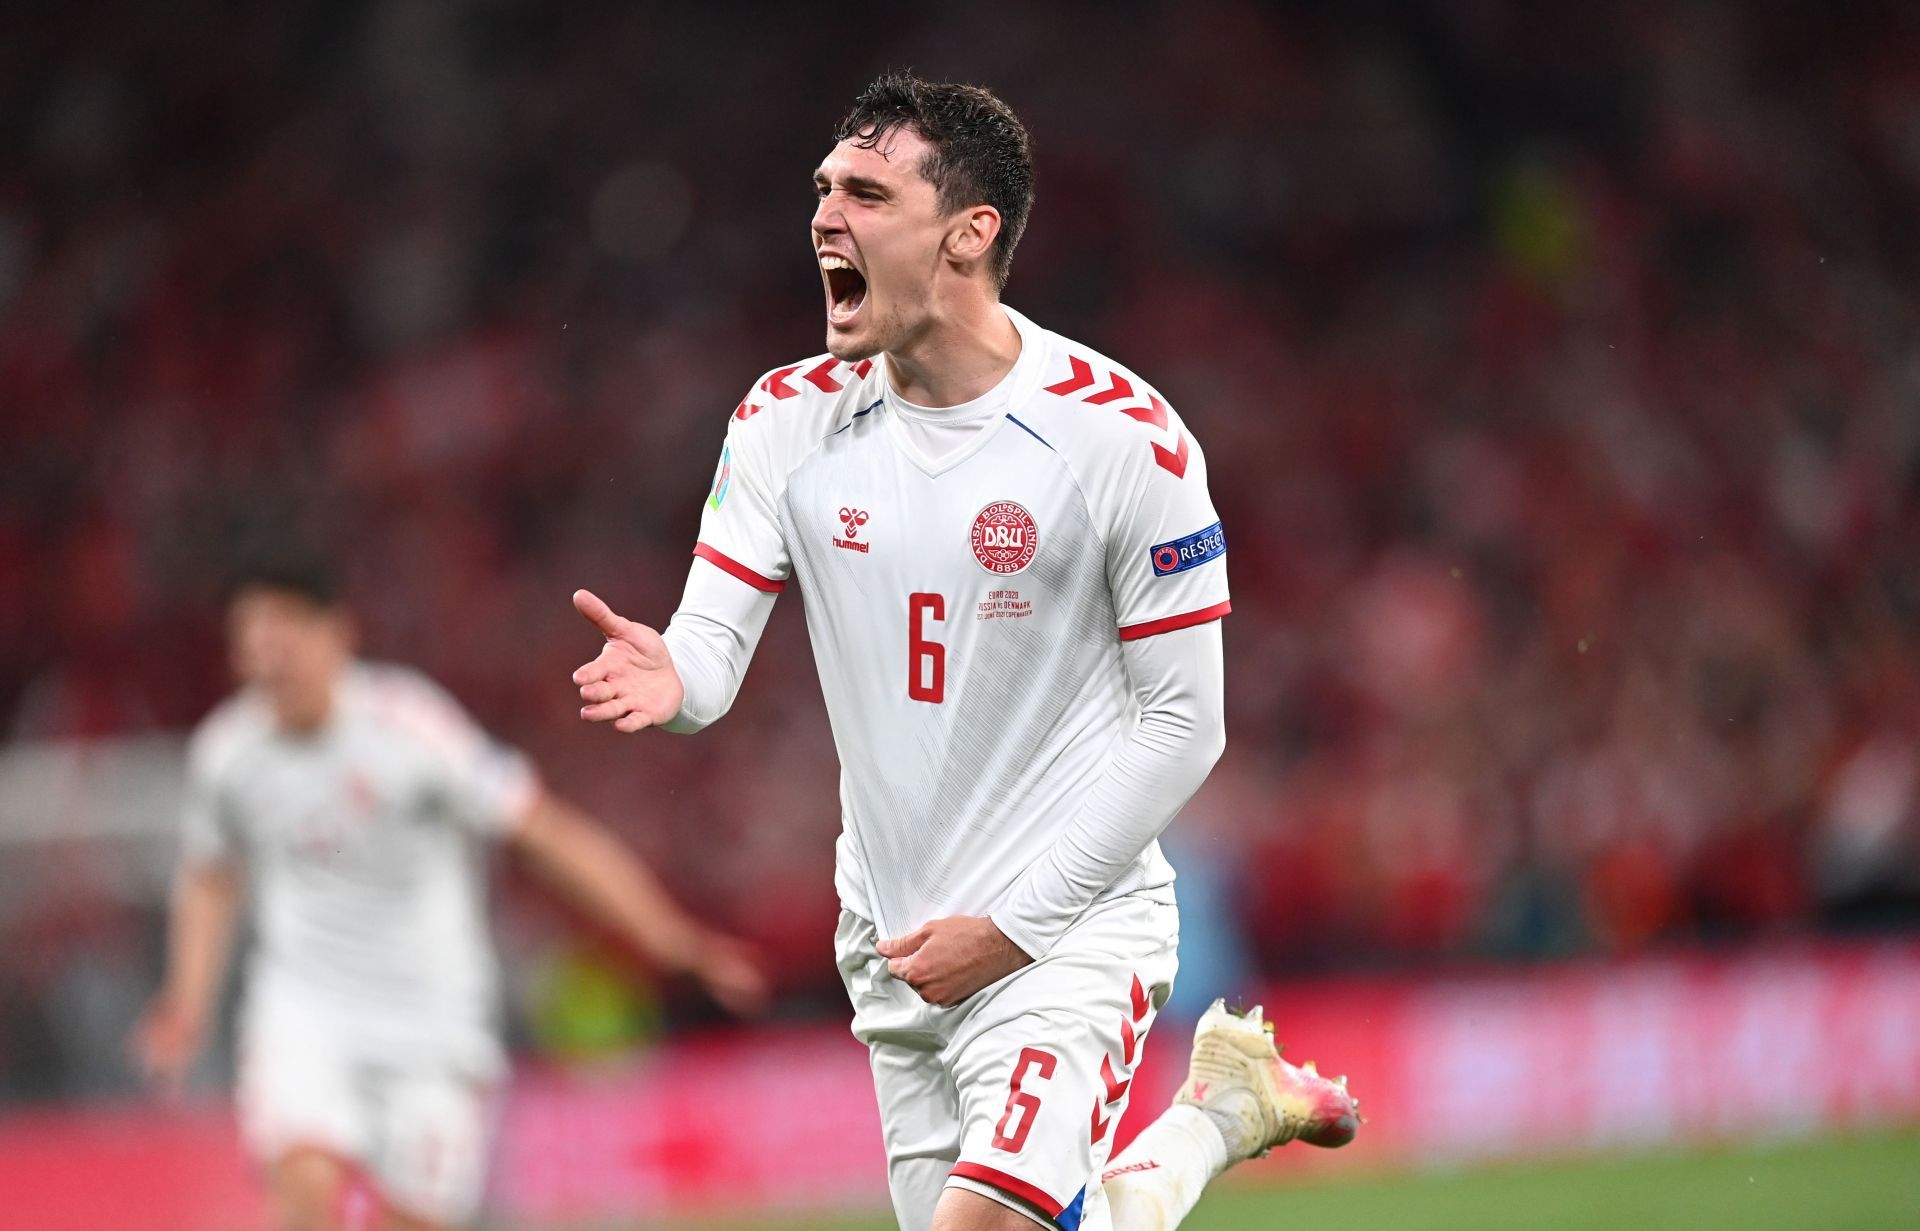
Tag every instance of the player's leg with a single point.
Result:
(308, 1187)
(919, 1111)
(435, 1130)
(919, 1128)
(963, 1209)
(1240, 1100)
(300, 1114)
(400, 1220)
(1044, 1065)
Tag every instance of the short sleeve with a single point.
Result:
(1166, 550)
(740, 525)
(489, 785)
(484, 785)
(207, 831)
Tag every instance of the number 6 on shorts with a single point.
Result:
(1028, 1104)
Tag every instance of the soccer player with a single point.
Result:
(1014, 580)
(356, 801)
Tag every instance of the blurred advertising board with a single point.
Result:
(1502, 1064)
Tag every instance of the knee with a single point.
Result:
(963, 1210)
(307, 1191)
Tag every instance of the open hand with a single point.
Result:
(950, 959)
(632, 683)
(164, 1046)
(730, 971)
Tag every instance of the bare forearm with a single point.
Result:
(591, 869)
(205, 905)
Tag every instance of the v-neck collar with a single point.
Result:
(1013, 388)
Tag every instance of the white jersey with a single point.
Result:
(966, 612)
(365, 848)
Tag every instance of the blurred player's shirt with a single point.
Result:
(365, 847)
(970, 574)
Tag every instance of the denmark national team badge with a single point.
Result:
(1004, 538)
(1194, 550)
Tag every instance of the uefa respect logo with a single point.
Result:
(1189, 552)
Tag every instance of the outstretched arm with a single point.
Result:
(681, 680)
(589, 867)
(200, 926)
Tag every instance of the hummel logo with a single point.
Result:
(851, 520)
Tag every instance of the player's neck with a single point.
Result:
(306, 712)
(958, 358)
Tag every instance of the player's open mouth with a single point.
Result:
(846, 289)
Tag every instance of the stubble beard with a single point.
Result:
(881, 335)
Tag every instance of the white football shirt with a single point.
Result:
(966, 612)
(365, 846)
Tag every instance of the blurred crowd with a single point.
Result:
(1556, 367)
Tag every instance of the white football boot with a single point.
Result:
(1258, 1100)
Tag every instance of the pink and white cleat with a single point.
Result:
(1258, 1100)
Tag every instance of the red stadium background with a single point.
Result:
(1557, 371)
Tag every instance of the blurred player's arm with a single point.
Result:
(1178, 681)
(202, 916)
(589, 867)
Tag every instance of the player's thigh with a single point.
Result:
(297, 1089)
(964, 1209)
(919, 1128)
(400, 1220)
(919, 1107)
(1045, 1063)
(435, 1142)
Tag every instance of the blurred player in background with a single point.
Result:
(357, 802)
(1015, 579)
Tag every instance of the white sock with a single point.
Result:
(1156, 1180)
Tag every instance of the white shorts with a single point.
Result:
(1016, 1093)
(421, 1135)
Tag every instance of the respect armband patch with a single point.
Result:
(1190, 552)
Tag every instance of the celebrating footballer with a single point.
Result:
(1015, 582)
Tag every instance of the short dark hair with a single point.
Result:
(981, 153)
(287, 570)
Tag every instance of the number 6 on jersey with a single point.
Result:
(926, 660)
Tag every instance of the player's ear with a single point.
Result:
(971, 235)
